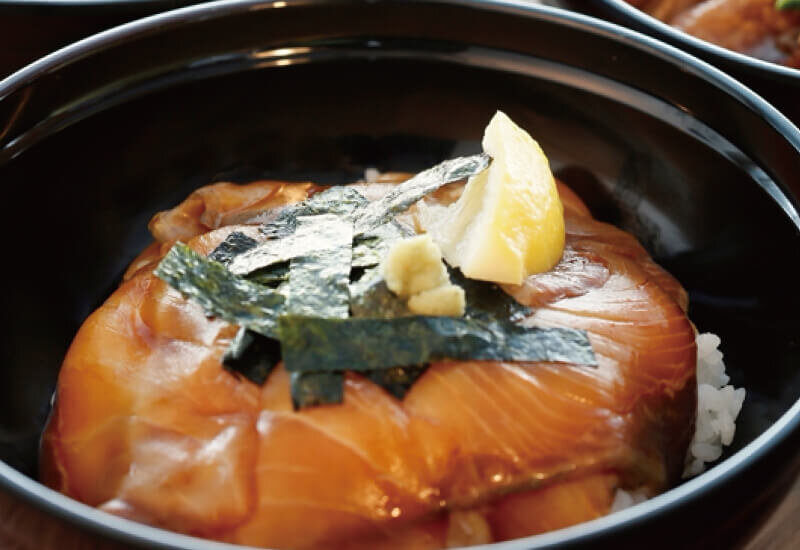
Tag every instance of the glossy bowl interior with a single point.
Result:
(30, 29)
(779, 84)
(97, 138)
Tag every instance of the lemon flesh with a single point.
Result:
(509, 222)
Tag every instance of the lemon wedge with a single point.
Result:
(509, 222)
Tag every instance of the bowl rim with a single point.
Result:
(670, 34)
(129, 531)
(74, 8)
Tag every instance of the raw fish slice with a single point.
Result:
(221, 204)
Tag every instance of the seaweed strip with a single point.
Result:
(271, 252)
(371, 298)
(397, 380)
(311, 389)
(347, 202)
(221, 293)
(252, 355)
(312, 344)
(234, 244)
(340, 200)
(285, 243)
(487, 301)
(272, 275)
(407, 193)
(318, 282)
(318, 287)
(370, 248)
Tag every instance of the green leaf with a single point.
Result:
(787, 4)
(313, 344)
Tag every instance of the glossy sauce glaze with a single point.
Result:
(753, 27)
(148, 425)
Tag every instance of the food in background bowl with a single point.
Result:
(567, 374)
(765, 29)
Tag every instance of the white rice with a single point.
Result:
(371, 175)
(718, 405)
(626, 499)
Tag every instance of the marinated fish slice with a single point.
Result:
(375, 469)
(221, 204)
(553, 507)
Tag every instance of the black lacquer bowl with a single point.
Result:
(30, 29)
(96, 138)
(779, 84)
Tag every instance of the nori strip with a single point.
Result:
(371, 298)
(347, 202)
(252, 355)
(234, 244)
(318, 287)
(311, 389)
(312, 344)
(271, 276)
(340, 200)
(284, 243)
(315, 245)
(487, 301)
(318, 282)
(397, 380)
(410, 191)
(370, 249)
(221, 293)
(271, 252)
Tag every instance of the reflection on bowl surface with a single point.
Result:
(696, 166)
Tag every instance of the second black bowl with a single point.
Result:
(779, 84)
